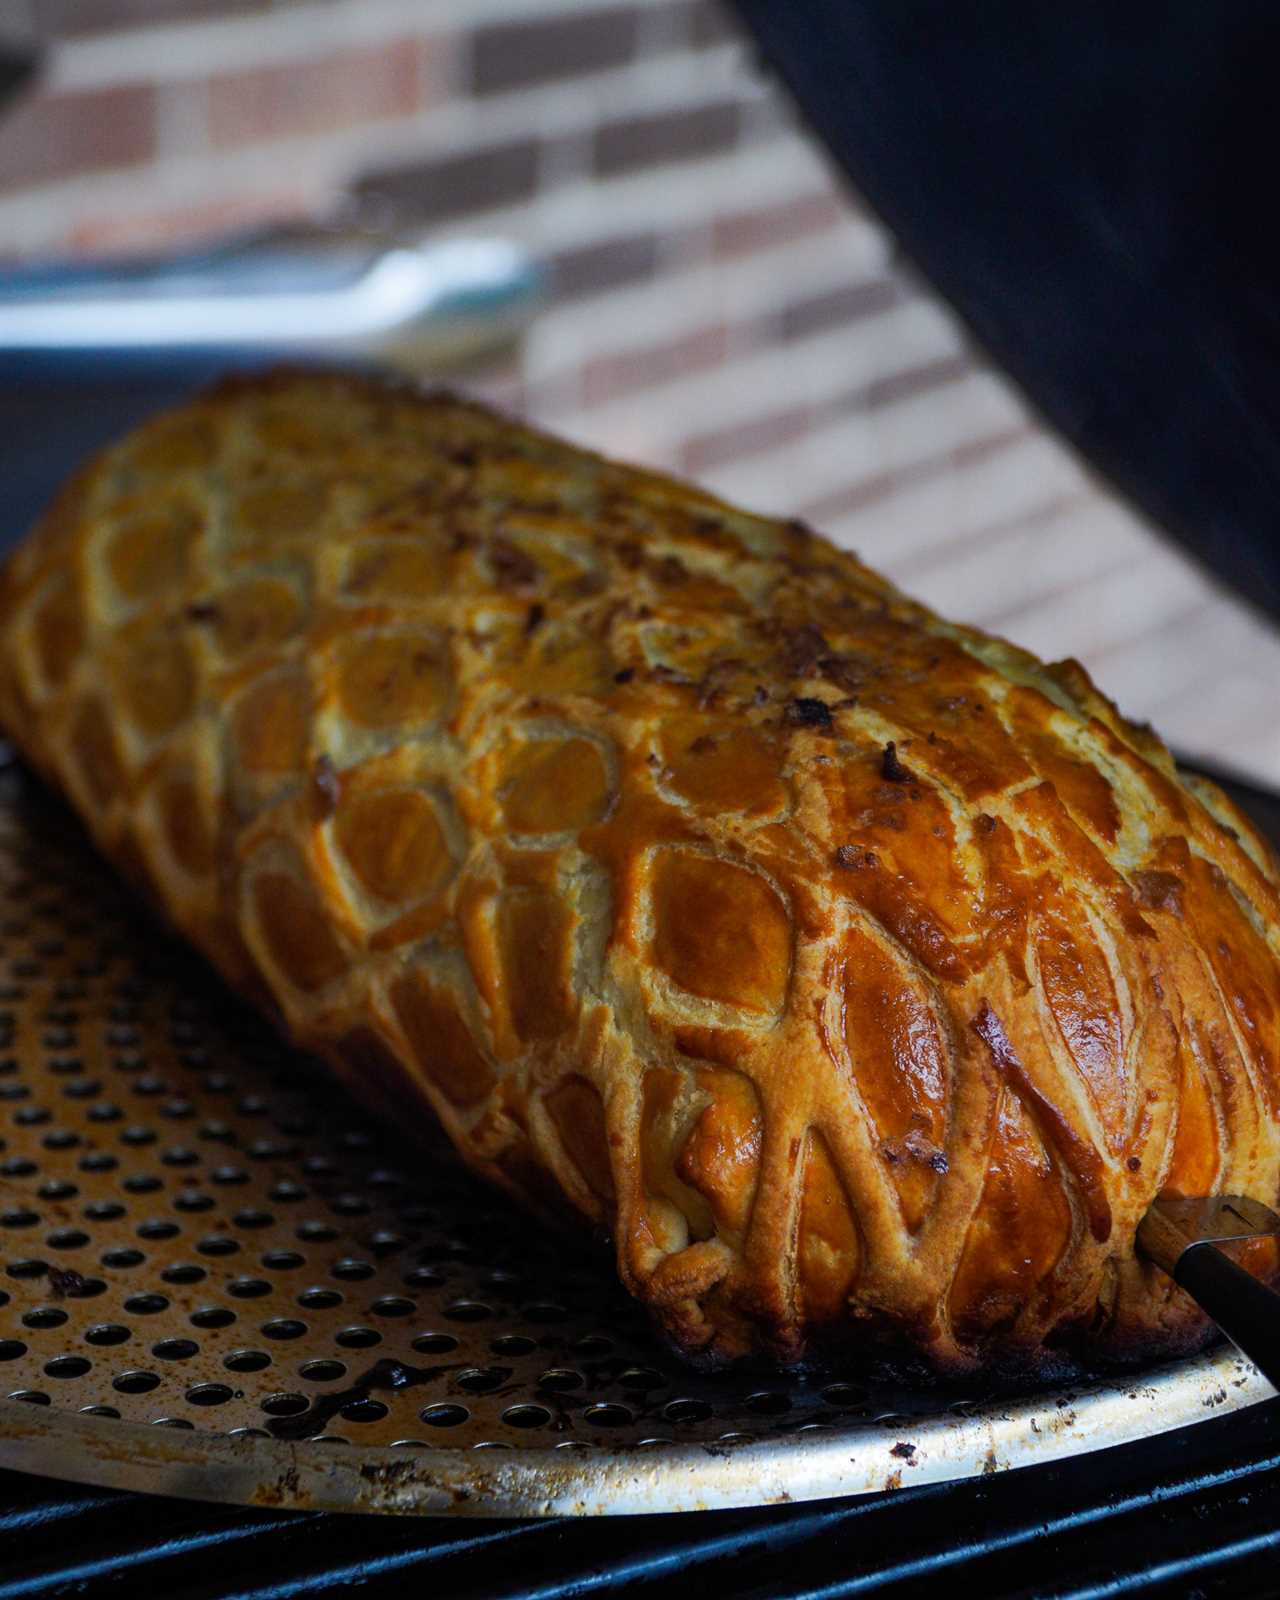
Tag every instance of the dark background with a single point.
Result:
(1089, 185)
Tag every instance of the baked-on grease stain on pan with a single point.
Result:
(386, 1374)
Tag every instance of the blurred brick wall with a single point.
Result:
(721, 305)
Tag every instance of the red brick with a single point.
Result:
(606, 377)
(604, 264)
(63, 18)
(313, 96)
(975, 450)
(928, 375)
(51, 136)
(865, 491)
(179, 226)
(709, 450)
(703, 22)
(511, 55)
(712, 23)
(456, 185)
(891, 386)
(679, 135)
(942, 551)
(882, 485)
(833, 307)
(740, 233)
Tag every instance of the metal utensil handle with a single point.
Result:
(1246, 1310)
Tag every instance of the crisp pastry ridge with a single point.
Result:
(861, 976)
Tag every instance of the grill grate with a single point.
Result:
(1195, 1516)
(198, 1232)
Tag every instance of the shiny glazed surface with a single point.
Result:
(861, 976)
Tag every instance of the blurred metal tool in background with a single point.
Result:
(420, 305)
(86, 349)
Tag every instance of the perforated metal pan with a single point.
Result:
(218, 1280)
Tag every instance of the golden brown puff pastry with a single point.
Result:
(861, 976)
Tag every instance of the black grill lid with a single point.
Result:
(1090, 185)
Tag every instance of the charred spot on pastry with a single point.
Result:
(713, 682)
(702, 745)
(513, 568)
(1158, 891)
(803, 649)
(590, 583)
(846, 672)
(670, 570)
(326, 786)
(1133, 1164)
(807, 713)
(202, 611)
(891, 769)
(624, 674)
(536, 616)
(807, 654)
(629, 554)
(984, 822)
(921, 1149)
(853, 858)
(915, 1147)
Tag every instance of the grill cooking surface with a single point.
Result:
(199, 1233)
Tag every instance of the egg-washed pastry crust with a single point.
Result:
(862, 977)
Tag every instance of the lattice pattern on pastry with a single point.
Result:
(854, 970)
